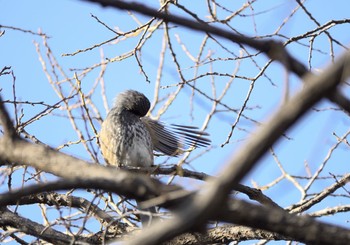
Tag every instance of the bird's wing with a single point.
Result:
(174, 139)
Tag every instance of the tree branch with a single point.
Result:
(300, 228)
(22, 197)
(319, 197)
(27, 226)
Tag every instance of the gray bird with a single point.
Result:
(128, 137)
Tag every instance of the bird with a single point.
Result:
(129, 138)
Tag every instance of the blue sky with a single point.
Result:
(71, 28)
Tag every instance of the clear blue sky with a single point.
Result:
(71, 28)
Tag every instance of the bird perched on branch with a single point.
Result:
(128, 137)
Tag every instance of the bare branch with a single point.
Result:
(27, 226)
(318, 198)
(22, 197)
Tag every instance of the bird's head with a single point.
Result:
(133, 101)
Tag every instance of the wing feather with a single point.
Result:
(174, 139)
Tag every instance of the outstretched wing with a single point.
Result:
(174, 139)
